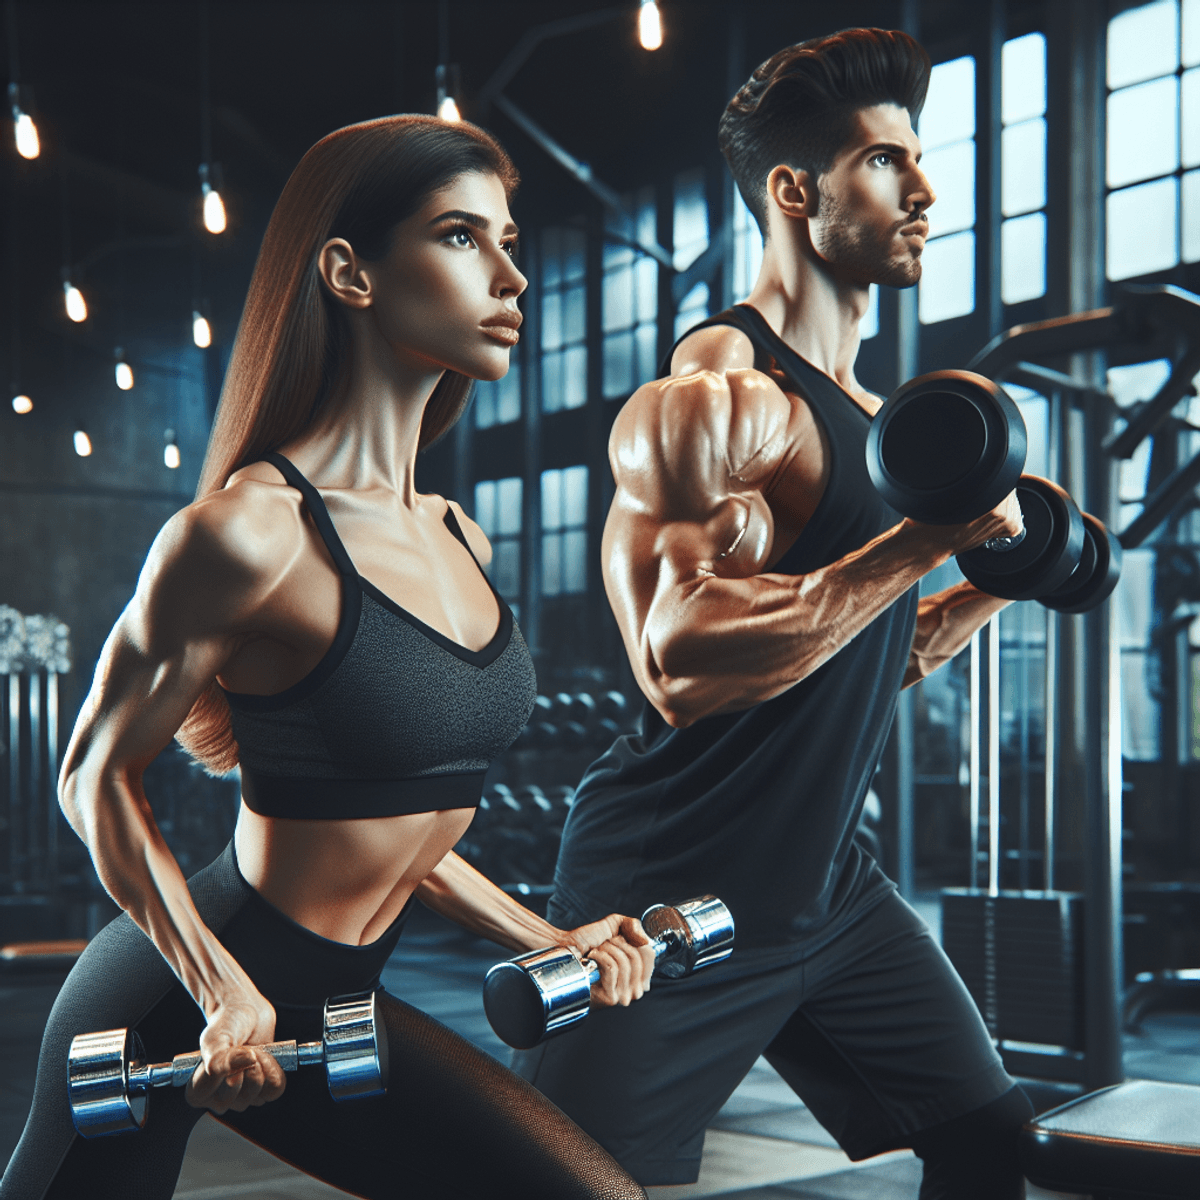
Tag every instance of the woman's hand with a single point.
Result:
(234, 1074)
(622, 951)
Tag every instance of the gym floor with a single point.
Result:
(764, 1145)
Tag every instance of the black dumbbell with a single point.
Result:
(537, 995)
(1098, 572)
(1042, 559)
(108, 1077)
(946, 447)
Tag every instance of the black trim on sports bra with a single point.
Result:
(312, 799)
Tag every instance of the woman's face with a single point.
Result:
(445, 294)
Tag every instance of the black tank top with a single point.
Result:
(396, 718)
(759, 806)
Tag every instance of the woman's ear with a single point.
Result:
(344, 274)
(792, 191)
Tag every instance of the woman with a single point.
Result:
(363, 709)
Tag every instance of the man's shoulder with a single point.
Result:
(713, 348)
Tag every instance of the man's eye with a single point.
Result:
(881, 159)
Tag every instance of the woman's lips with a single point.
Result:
(504, 330)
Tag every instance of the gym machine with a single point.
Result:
(34, 652)
(1125, 1139)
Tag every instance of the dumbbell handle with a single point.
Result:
(1001, 545)
(660, 944)
(179, 1071)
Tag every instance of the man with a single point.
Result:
(768, 603)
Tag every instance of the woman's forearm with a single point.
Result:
(137, 869)
(454, 889)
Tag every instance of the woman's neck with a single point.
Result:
(368, 433)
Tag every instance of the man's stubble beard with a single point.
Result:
(864, 254)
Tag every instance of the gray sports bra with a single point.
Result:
(396, 718)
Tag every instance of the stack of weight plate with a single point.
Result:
(1021, 956)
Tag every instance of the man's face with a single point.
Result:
(870, 223)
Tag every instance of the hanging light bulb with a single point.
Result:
(214, 206)
(447, 108)
(83, 444)
(76, 305)
(28, 143)
(22, 404)
(650, 25)
(171, 450)
(123, 372)
(201, 331)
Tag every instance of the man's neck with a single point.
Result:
(814, 313)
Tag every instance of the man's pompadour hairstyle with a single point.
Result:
(797, 106)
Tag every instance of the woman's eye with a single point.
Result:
(461, 237)
(510, 248)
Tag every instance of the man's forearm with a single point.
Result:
(719, 645)
(945, 623)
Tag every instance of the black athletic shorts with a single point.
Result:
(874, 1031)
(454, 1122)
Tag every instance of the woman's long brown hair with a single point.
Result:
(293, 340)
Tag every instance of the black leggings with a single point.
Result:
(454, 1122)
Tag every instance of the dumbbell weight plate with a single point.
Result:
(535, 995)
(946, 447)
(697, 933)
(1098, 573)
(1044, 559)
(356, 1057)
(98, 1083)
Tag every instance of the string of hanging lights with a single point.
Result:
(214, 215)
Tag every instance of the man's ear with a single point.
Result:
(344, 274)
(792, 191)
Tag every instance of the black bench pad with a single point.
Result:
(1138, 1139)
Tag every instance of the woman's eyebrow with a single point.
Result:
(474, 220)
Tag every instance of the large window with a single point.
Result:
(1023, 169)
(1134, 599)
(947, 131)
(564, 319)
(747, 249)
(497, 402)
(564, 531)
(498, 512)
(690, 239)
(629, 308)
(1153, 205)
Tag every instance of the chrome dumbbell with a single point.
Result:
(108, 1077)
(537, 995)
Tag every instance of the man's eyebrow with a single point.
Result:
(897, 148)
(474, 220)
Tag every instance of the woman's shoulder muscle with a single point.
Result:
(216, 561)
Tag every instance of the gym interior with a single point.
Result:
(1039, 797)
